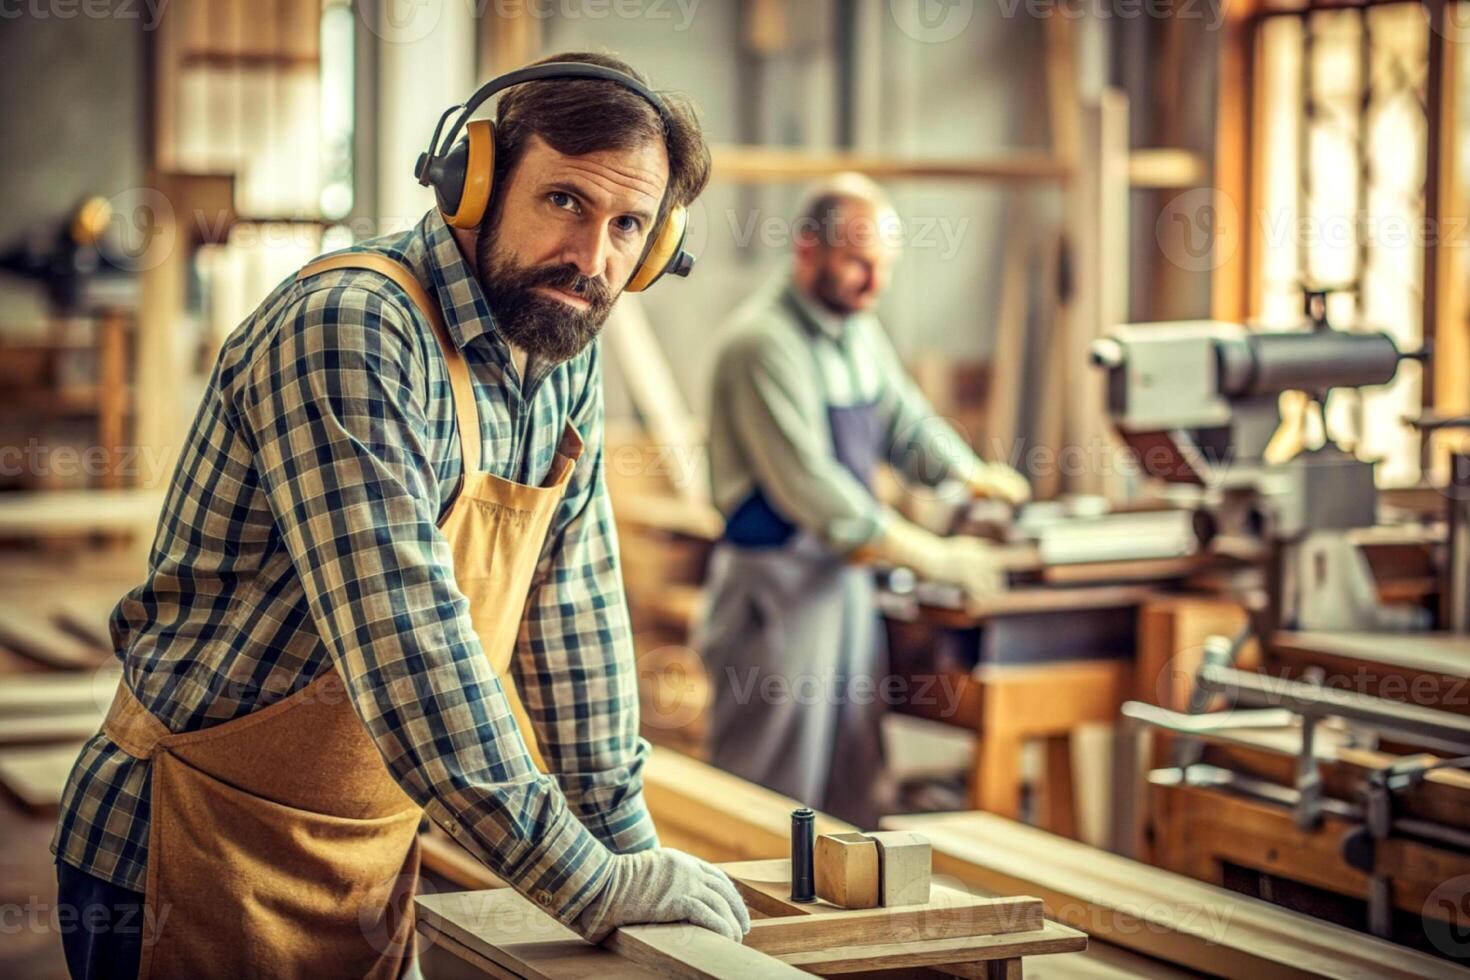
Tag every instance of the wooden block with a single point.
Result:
(846, 868)
(904, 864)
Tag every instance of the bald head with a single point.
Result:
(847, 236)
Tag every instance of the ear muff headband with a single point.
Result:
(461, 173)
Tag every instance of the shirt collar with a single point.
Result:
(466, 311)
(814, 315)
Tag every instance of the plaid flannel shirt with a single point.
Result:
(300, 531)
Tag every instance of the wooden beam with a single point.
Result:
(654, 390)
(1099, 243)
(1230, 285)
(767, 165)
(1166, 167)
(510, 37)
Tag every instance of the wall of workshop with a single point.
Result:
(972, 91)
(71, 80)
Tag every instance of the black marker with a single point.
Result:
(803, 830)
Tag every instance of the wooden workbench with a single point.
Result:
(956, 933)
(1003, 670)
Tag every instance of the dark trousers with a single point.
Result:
(101, 926)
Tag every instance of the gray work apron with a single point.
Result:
(791, 641)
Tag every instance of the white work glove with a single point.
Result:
(665, 885)
(997, 481)
(967, 562)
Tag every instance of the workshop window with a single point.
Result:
(262, 90)
(1341, 124)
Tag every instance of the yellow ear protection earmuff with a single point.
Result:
(461, 172)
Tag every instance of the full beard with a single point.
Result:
(533, 322)
(827, 291)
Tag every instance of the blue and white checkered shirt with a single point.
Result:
(300, 531)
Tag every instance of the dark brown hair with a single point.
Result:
(577, 116)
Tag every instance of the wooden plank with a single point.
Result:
(502, 927)
(1230, 281)
(511, 37)
(717, 816)
(1028, 600)
(1098, 237)
(67, 512)
(1012, 339)
(693, 952)
(1052, 937)
(88, 617)
(970, 916)
(460, 951)
(37, 637)
(1155, 912)
(763, 164)
(509, 931)
(1444, 654)
(1166, 168)
(58, 692)
(36, 777)
(38, 730)
(654, 390)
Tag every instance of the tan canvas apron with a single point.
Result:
(279, 844)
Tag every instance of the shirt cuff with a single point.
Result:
(564, 868)
(624, 828)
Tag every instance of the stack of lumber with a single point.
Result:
(57, 671)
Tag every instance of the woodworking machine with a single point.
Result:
(1198, 403)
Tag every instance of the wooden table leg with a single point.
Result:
(1058, 810)
(1003, 969)
(995, 784)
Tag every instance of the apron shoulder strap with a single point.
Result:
(466, 410)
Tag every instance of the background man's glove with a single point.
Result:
(961, 560)
(665, 885)
(997, 481)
